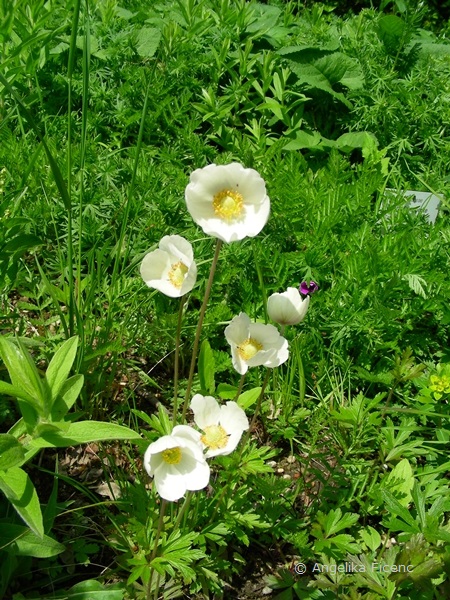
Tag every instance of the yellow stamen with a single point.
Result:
(215, 437)
(177, 274)
(249, 348)
(228, 205)
(172, 456)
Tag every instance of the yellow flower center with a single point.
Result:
(249, 348)
(177, 274)
(228, 205)
(172, 456)
(215, 437)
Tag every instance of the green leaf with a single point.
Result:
(9, 390)
(66, 399)
(23, 373)
(371, 538)
(18, 488)
(304, 140)
(60, 365)
(391, 30)
(82, 433)
(23, 542)
(12, 452)
(342, 541)
(226, 391)
(400, 482)
(357, 139)
(206, 368)
(249, 397)
(147, 41)
(395, 509)
(334, 521)
(94, 590)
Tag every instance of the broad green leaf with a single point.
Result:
(67, 396)
(391, 30)
(9, 390)
(23, 373)
(82, 433)
(12, 452)
(92, 590)
(226, 391)
(60, 365)
(147, 41)
(23, 542)
(357, 139)
(18, 488)
(206, 368)
(249, 397)
(304, 140)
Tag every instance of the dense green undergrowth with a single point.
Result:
(106, 109)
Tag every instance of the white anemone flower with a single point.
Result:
(228, 202)
(171, 268)
(288, 308)
(177, 464)
(254, 344)
(223, 426)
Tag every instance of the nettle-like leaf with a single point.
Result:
(322, 70)
(147, 41)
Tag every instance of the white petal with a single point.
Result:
(287, 308)
(238, 362)
(233, 418)
(170, 485)
(154, 265)
(186, 435)
(178, 247)
(238, 330)
(189, 280)
(265, 334)
(206, 410)
(199, 478)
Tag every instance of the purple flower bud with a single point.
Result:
(306, 289)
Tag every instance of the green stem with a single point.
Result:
(242, 444)
(162, 510)
(256, 413)
(240, 386)
(199, 327)
(177, 359)
(186, 503)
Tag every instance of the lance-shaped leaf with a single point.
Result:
(59, 368)
(18, 488)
